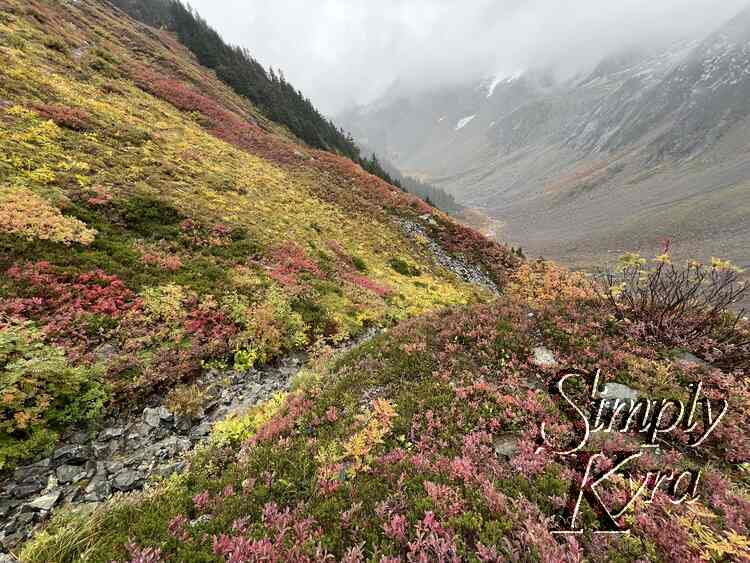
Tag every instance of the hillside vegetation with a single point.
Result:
(420, 445)
(154, 223)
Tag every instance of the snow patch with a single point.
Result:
(503, 78)
(464, 122)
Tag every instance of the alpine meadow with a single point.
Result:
(230, 332)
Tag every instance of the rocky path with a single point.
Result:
(465, 271)
(89, 467)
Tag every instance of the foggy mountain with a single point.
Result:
(651, 144)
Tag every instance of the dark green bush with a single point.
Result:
(404, 268)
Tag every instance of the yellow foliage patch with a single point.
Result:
(25, 214)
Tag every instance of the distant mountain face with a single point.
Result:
(647, 146)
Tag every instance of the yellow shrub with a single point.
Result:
(25, 214)
(546, 281)
(234, 428)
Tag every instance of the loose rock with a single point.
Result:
(46, 502)
(543, 357)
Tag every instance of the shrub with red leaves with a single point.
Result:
(63, 303)
(70, 118)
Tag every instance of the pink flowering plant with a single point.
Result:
(422, 445)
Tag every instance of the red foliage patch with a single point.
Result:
(63, 297)
(288, 262)
(70, 118)
(364, 282)
(222, 123)
(349, 185)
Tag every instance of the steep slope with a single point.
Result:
(649, 145)
(158, 229)
(236, 67)
(421, 445)
(153, 222)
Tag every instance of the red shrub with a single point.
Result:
(364, 282)
(288, 261)
(61, 301)
(70, 118)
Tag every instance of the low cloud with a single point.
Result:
(344, 52)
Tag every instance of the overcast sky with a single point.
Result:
(342, 52)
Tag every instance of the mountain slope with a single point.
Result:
(153, 221)
(268, 90)
(160, 236)
(649, 145)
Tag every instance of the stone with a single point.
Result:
(543, 357)
(6, 506)
(7, 558)
(79, 438)
(73, 453)
(506, 445)
(619, 391)
(106, 352)
(98, 489)
(28, 473)
(110, 433)
(535, 382)
(11, 540)
(25, 518)
(72, 494)
(113, 467)
(689, 358)
(157, 416)
(127, 480)
(171, 468)
(23, 491)
(184, 424)
(137, 432)
(46, 502)
(204, 429)
(202, 519)
(132, 460)
(70, 473)
(100, 449)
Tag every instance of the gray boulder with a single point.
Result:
(46, 502)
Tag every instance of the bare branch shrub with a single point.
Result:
(687, 306)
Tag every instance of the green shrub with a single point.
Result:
(56, 45)
(404, 268)
(151, 218)
(42, 392)
(360, 264)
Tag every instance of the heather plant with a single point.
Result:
(25, 214)
(429, 479)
